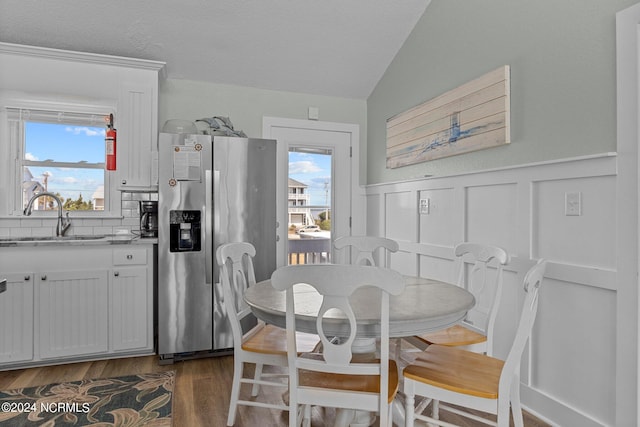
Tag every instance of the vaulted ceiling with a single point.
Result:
(326, 47)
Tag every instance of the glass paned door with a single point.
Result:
(310, 185)
(339, 201)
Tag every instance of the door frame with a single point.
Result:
(357, 217)
(627, 208)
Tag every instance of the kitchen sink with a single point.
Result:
(81, 237)
(53, 238)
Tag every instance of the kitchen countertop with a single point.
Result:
(82, 240)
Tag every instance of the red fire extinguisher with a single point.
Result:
(110, 140)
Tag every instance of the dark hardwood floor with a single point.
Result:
(201, 395)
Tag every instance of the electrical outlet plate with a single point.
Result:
(573, 203)
(424, 206)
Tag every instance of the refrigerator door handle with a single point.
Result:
(208, 234)
(216, 203)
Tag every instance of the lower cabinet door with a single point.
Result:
(16, 319)
(73, 317)
(131, 321)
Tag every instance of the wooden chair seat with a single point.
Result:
(457, 370)
(351, 383)
(273, 340)
(456, 335)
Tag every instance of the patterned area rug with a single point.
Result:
(131, 401)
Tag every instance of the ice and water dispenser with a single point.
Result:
(184, 229)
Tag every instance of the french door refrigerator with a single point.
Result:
(211, 191)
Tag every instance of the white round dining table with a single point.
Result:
(425, 305)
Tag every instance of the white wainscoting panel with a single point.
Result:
(375, 212)
(491, 214)
(569, 239)
(575, 334)
(436, 226)
(568, 371)
(400, 215)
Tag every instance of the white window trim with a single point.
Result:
(112, 208)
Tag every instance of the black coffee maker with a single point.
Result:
(148, 218)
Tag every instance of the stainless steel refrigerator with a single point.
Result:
(212, 190)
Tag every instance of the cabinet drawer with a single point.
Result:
(130, 256)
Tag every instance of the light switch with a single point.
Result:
(314, 113)
(573, 203)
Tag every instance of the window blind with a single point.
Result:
(55, 116)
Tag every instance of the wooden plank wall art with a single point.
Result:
(471, 117)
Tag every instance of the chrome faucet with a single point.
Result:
(63, 224)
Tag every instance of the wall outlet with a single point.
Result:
(424, 206)
(573, 203)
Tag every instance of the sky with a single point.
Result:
(64, 143)
(313, 170)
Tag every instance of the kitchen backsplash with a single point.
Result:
(130, 221)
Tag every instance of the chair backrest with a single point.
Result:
(236, 275)
(336, 283)
(477, 281)
(364, 250)
(532, 281)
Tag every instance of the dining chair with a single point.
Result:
(473, 380)
(366, 249)
(262, 344)
(336, 377)
(476, 331)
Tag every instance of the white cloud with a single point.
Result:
(319, 181)
(303, 167)
(86, 130)
(29, 156)
(69, 180)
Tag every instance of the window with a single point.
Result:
(62, 153)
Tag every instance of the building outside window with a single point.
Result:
(299, 215)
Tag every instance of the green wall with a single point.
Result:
(563, 85)
(245, 106)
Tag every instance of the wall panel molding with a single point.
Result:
(523, 209)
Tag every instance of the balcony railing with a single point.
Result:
(294, 196)
(310, 250)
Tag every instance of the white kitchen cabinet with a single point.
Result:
(131, 309)
(137, 142)
(72, 309)
(75, 302)
(16, 319)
